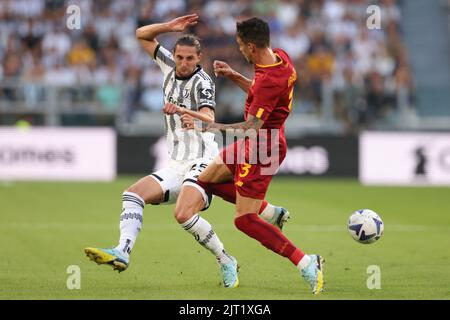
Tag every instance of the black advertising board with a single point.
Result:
(321, 156)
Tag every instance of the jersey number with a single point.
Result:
(245, 170)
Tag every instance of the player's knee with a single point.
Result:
(184, 213)
(135, 190)
(131, 189)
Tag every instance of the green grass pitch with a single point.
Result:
(45, 226)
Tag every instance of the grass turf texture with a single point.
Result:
(45, 226)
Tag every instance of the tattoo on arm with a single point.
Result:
(251, 123)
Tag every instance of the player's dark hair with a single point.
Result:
(254, 30)
(189, 40)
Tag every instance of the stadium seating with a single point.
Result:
(351, 78)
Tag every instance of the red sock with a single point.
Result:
(263, 206)
(269, 236)
(226, 190)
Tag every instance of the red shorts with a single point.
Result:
(251, 176)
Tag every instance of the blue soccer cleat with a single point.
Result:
(280, 216)
(230, 274)
(313, 273)
(112, 257)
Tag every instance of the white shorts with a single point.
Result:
(181, 173)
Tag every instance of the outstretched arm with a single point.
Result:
(205, 114)
(252, 122)
(222, 68)
(147, 34)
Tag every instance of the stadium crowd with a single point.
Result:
(348, 73)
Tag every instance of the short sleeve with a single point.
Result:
(266, 94)
(205, 94)
(164, 59)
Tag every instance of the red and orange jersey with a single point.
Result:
(270, 95)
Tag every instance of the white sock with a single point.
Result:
(205, 235)
(130, 221)
(304, 262)
(268, 213)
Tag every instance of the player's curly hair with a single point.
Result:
(189, 40)
(254, 30)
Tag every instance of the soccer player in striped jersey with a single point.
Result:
(185, 85)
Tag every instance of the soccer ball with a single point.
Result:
(365, 226)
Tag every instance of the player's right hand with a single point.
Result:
(222, 68)
(180, 23)
(170, 108)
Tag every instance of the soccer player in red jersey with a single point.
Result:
(244, 180)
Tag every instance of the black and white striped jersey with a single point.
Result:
(193, 92)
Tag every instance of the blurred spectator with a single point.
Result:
(56, 43)
(60, 75)
(81, 53)
(319, 65)
(32, 78)
(152, 96)
(294, 41)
